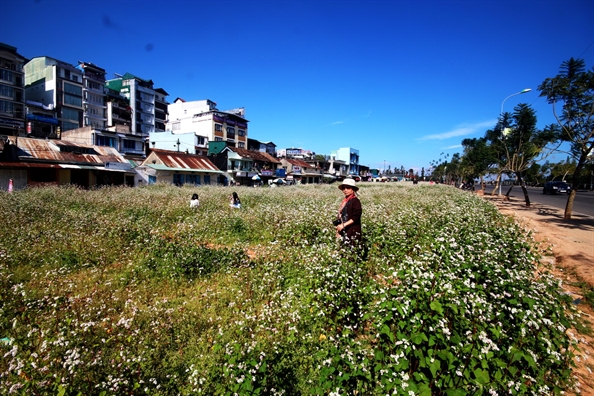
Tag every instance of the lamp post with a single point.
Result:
(384, 167)
(500, 114)
(514, 94)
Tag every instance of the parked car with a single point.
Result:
(554, 187)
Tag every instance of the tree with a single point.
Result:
(478, 158)
(573, 88)
(522, 143)
(562, 168)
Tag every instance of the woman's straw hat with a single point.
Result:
(348, 183)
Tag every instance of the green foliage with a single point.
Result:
(129, 291)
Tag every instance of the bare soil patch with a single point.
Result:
(572, 246)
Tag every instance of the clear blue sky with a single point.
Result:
(401, 81)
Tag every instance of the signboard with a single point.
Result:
(293, 151)
(118, 165)
(296, 169)
(267, 173)
(49, 120)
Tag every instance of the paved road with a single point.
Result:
(583, 203)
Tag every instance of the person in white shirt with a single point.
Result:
(194, 202)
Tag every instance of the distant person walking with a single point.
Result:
(235, 201)
(194, 202)
(348, 221)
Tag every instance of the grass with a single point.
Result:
(129, 291)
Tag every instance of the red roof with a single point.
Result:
(179, 160)
(300, 163)
(255, 155)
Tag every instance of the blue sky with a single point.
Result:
(401, 81)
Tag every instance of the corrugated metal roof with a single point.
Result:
(302, 164)
(175, 160)
(60, 151)
(255, 155)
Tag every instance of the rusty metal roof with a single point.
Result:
(63, 152)
(178, 160)
(255, 155)
(300, 163)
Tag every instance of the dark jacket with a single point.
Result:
(352, 210)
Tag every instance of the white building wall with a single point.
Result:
(193, 117)
(169, 141)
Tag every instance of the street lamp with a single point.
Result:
(384, 167)
(517, 93)
(501, 113)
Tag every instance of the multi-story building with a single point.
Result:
(350, 156)
(56, 84)
(160, 109)
(42, 120)
(204, 119)
(187, 142)
(119, 112)
(265, 147)
(12, 93)
(143, 101)
(93, 95)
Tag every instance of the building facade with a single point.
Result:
(95, 114)
(351, 158)
(143, 100)
(56, 85)
(204, 119)
(166, 166)
(12, 91)
(187, 142)
(119, 138)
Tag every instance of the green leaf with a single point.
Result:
(436, 306)
(418, 338)
(386, 330)
(434, 367)
(482, 376)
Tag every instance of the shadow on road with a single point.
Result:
(549, 214)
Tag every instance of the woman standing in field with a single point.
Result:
(348, 221)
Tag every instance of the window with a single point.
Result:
(206, 179)
(73, 89)
(129, 144)
(176, 126)
(6, 75)
(241, 144)
(152, 179)
(193, 179)
(104, 141)
(6, 91)
(201, 140)
(93, 85)
(6, 107)
(69, 125)
(69, 114)
(230, 131)
(241, 132)
(219, 127)
(72, 100)
(218, 139)
(178, 179)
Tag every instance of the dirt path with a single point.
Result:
(572, 244)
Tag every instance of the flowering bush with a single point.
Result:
(129, 291)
